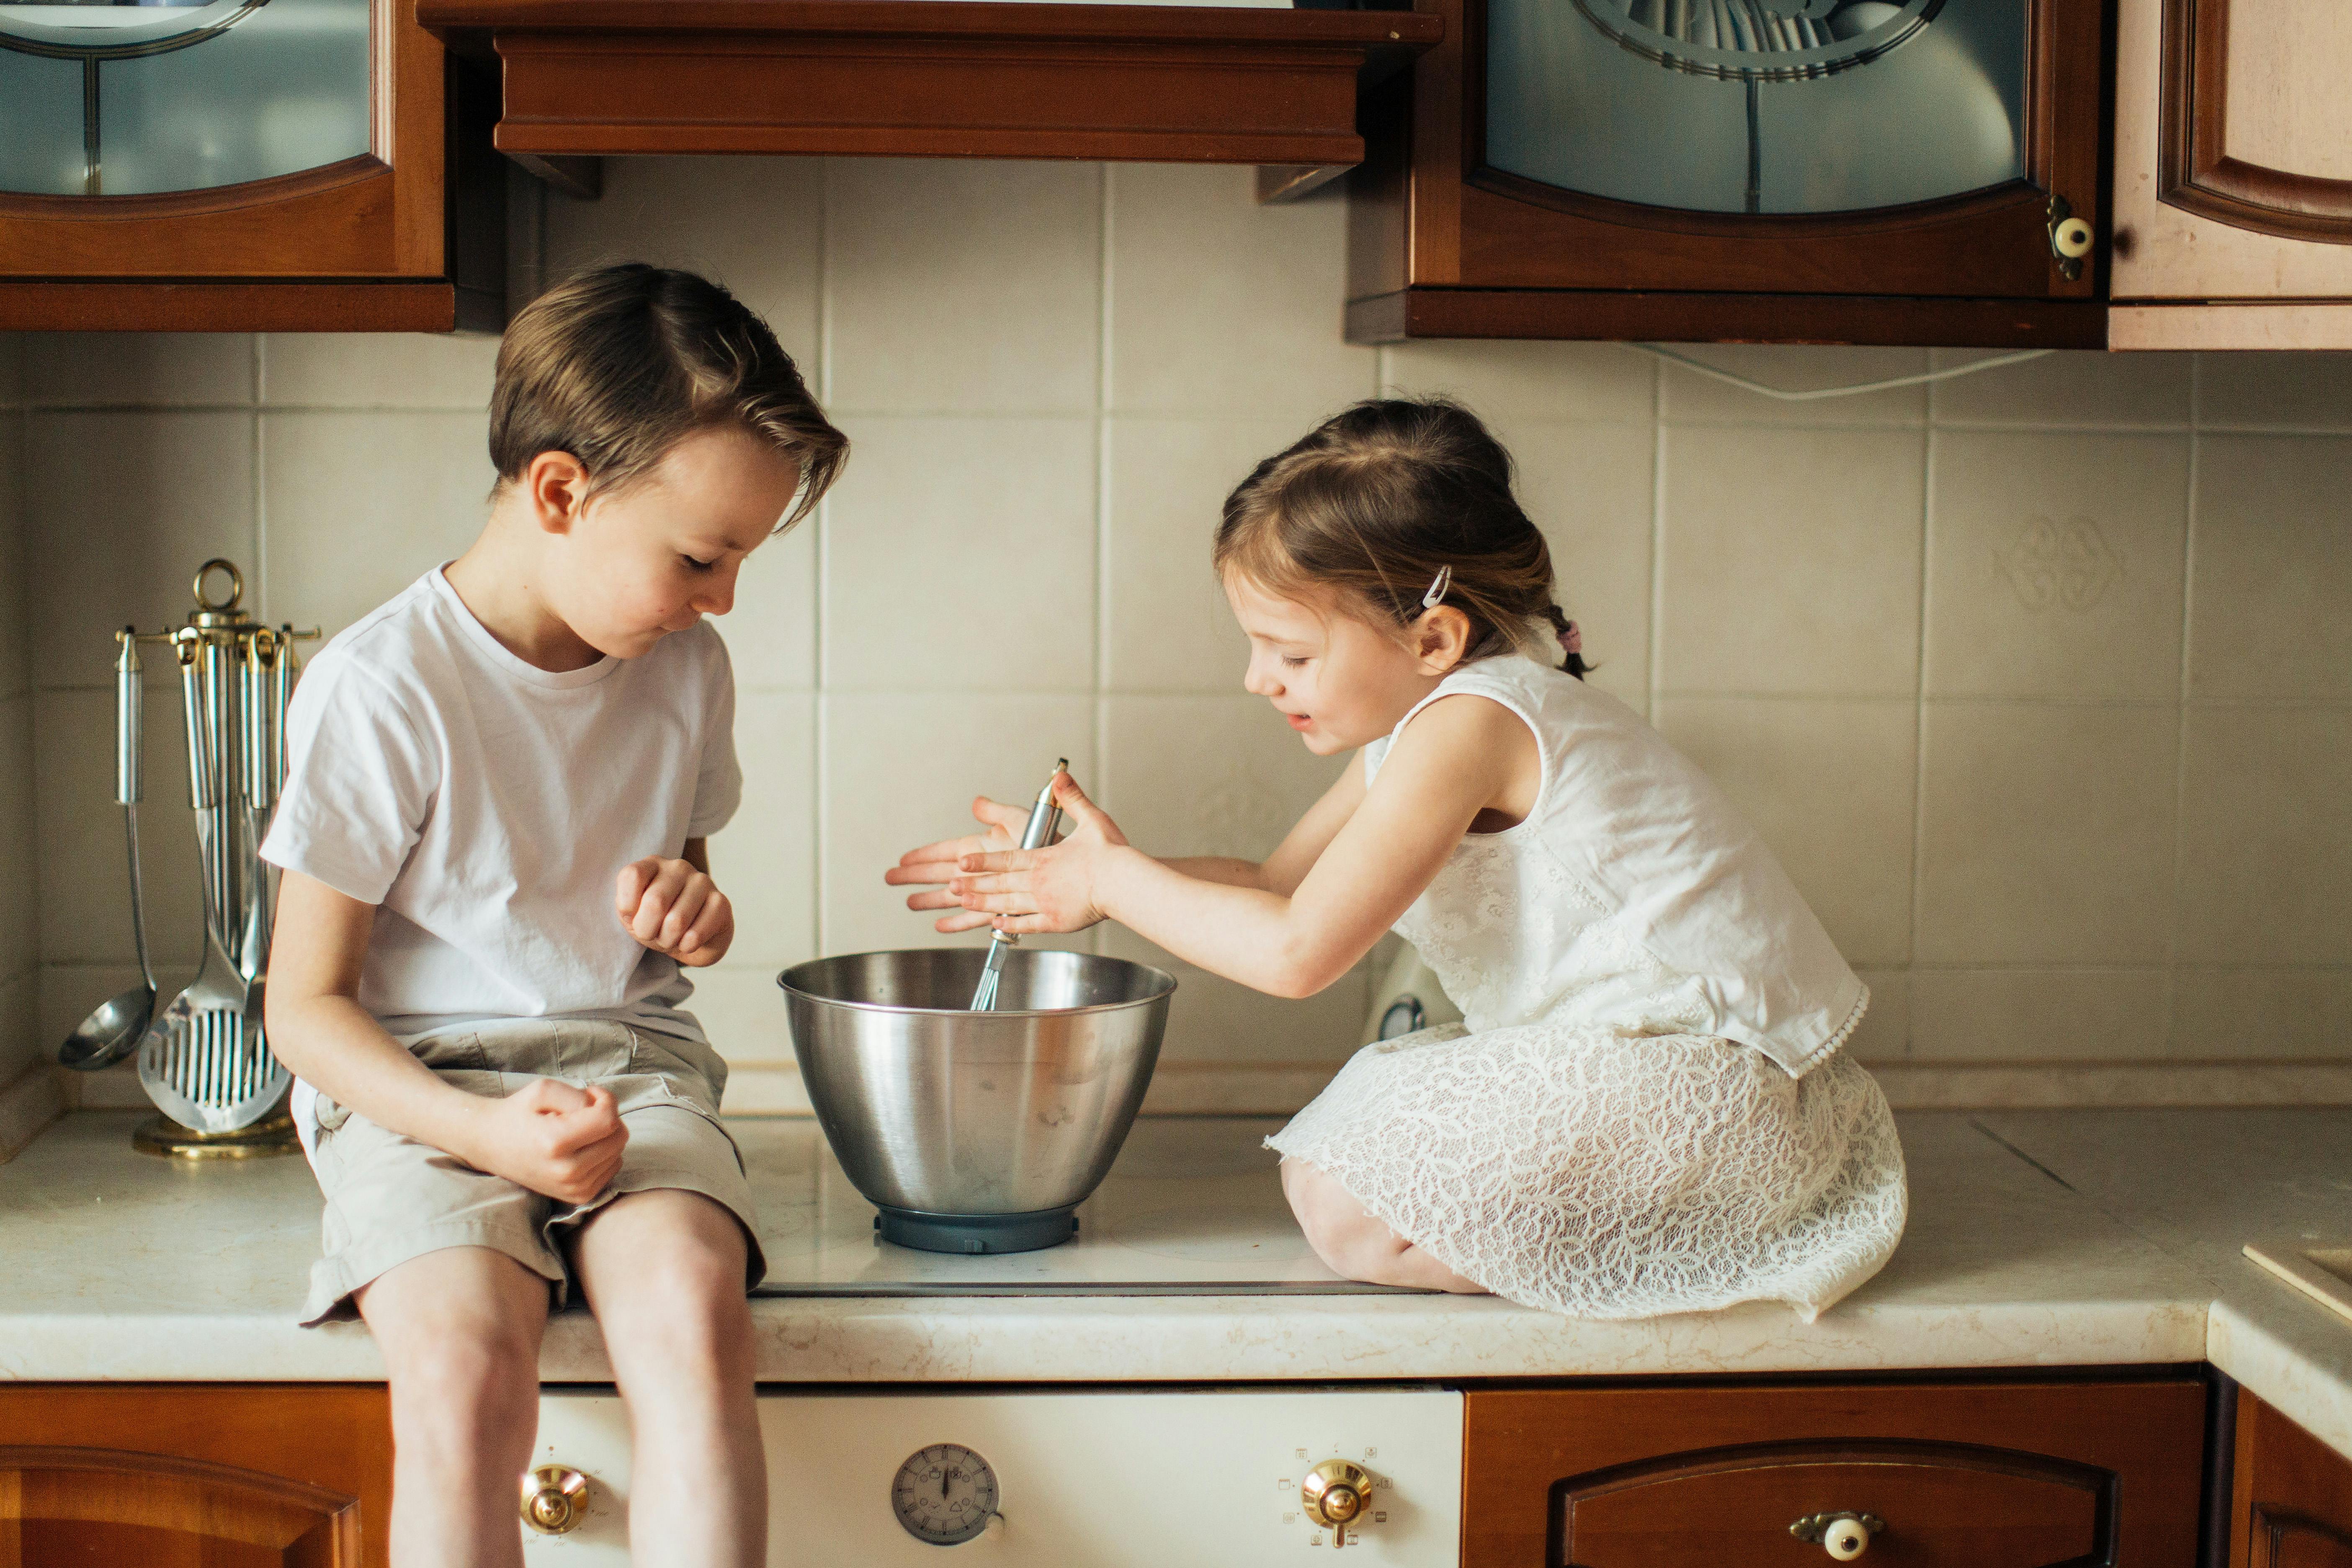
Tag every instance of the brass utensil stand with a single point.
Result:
(206, 1059)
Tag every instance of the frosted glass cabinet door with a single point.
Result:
(1757, 106)
(123, 98)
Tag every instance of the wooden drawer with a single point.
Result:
(2061, 1475)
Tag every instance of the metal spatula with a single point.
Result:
(1036, 836)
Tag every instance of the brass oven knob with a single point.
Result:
(1844, 1536)
(554, 1499)
(1334, 1495)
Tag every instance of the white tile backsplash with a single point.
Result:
(1222, 308)
(415, 486)
(2066, 389)
(959, 554)
(2274, 573)
(964, 289)
(1167, 627)
(1790, 561)
(396, 370)
(1689, 395)
(2040, 826)
(901, 769)
(1591, 488)
(755, 225)
(164, 490)
(1779, 759)
(1205, 776)
(2043, 585)
(2046, 834)
(145, 369)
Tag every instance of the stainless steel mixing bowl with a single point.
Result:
(975, 1132)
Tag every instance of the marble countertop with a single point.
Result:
(2036, 1239)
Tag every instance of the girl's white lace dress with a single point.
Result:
(1646, 1110)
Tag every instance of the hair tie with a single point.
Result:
(1437, 586)
(1571, 640)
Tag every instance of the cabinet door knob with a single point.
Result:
(554, 1499)
(1844, 1536)
(2070, 238)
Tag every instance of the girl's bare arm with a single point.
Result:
(1458, 757)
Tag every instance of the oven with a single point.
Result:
(1158, 1477)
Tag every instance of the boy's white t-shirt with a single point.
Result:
(489, 806)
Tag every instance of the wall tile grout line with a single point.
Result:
(821, 719)
(1930, 449)
(2170, 983)
(1658, 429)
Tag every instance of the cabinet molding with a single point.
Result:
(108, 1504)
(1992, 1508)
(927, 78)
(194, 1475)
(2197, 172)
(2293, 1502)
(2108, 1472)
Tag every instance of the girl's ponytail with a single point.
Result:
(1571, 642)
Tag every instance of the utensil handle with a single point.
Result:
(130, 719)
(203, 792)
(137, 892)
(261, 656)
(1045, 813)
(282, 692)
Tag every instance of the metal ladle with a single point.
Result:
(112, 1032)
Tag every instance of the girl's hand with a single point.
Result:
(675, 908)
(934, 865)
(1054, 889)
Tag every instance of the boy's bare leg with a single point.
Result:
(459, 1329)
(1355, 1244)
(662, 1271)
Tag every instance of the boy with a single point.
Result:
(493, 836)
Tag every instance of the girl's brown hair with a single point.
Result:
(617, 365)
(1375, 502)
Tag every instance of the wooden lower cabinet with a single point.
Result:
(2291, 1503)
(193, 1475)
(2048, 1475)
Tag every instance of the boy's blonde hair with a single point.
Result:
(617, 365)
(1373, 504)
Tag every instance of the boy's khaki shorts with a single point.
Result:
(390, 1198)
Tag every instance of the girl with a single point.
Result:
(1645, 1109)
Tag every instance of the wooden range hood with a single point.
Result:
(953, 78)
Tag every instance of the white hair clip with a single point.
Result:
(1437, 586)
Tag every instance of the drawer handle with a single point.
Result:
(555, 1500)
(1844, 1536)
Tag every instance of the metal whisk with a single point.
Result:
(1043, 816)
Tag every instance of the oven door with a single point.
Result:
(1172, 1478)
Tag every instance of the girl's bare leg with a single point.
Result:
(459, 1329)
(662, 1271)
(1352, 1243)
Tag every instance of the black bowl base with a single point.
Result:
(977, 1233)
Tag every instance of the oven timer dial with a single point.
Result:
(946, 1495)
(1336, 1494)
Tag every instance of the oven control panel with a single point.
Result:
(1153, 1479)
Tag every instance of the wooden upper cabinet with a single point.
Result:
(2060, 1475)
(953, 78)
(2291, 1505)
(195, 1476)
(1796, 169)
(240, 164)
(2233, 174)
